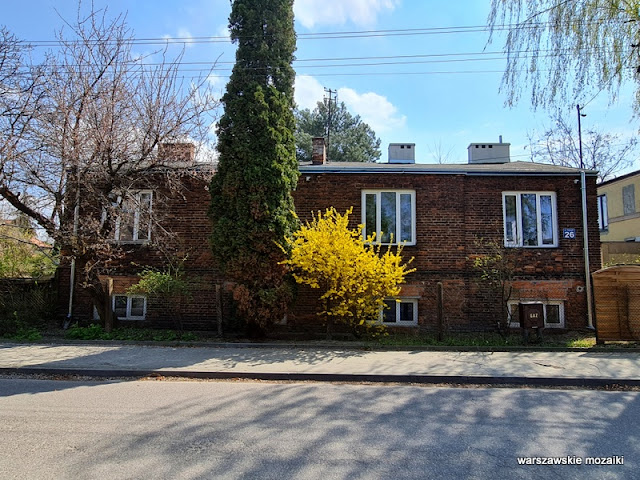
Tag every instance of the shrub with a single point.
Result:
(355, 276)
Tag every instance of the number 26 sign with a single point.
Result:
(569, 233)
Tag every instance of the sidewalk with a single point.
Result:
(581, 368)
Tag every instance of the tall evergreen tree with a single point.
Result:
(251, 204)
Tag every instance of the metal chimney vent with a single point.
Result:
(489, 152)
(402, 153)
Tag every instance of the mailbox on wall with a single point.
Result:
(531, 315)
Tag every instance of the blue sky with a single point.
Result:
(419, 75)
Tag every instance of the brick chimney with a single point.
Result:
(319, 151)
(177, 152)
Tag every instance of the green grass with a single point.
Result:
(565, 340)
(96, 332)
(24, 334)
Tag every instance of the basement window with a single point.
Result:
(129, 307)
(553, 313)
(400, 311)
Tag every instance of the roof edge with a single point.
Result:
(398, 169)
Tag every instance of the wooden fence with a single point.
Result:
(617, 301)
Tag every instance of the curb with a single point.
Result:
(336, 377)
(327, 346)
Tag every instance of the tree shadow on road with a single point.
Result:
(258, 430)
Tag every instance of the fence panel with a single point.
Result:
(617, 303)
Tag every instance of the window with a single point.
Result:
(603, 214)
(530, 219)
(553, 313)
(130, 307)
(402, 311)
(628, 200)
(134, 222)
(391, 215)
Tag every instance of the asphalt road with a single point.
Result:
(191, 430)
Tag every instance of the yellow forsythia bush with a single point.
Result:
(355, 276)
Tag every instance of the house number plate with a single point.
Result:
(569, 233)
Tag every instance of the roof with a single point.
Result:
(499, 169)
(617, 179)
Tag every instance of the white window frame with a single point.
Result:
(136, 218)
(398, 301)
(603, 213)
(378, 194)
(128, 315)
(560, 303)
(519, 239)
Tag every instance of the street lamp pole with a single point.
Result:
(585, 230)
(580, 114)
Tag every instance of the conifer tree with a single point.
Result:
(251, 204)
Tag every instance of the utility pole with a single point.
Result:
(329, 102)
(585, 230)
(580, 114)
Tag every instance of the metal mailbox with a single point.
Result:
(532, 315)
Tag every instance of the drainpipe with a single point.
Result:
(585, 234)
(72, 278)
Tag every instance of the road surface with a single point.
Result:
(259, 430)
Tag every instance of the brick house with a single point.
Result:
(445, 214)
(182, 213)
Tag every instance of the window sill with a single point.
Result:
(545, 247)
(554, 327)
(131, 242)
(392, 244)
(399, 324)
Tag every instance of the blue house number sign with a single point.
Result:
(569, 233)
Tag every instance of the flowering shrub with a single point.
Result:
(355, 276)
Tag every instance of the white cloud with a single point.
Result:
(374, 109)
(184, 37)
(338, 12)
(217, 81)
(308, 92)
(223, 31)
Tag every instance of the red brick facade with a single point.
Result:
(454, 211)
(182, 213)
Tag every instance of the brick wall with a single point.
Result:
(183, 214)
(453, 213)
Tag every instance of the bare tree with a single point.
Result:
(440, 153)
(605, 152)
(80, 137)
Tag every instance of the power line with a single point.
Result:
(418, 59)
(301, 36)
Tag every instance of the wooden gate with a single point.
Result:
(617, 301)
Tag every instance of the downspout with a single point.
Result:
(585, 235)
(72, 277)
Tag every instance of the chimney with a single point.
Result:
(177, 153)
(319, 151)
(489, 152)
(402, 153)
